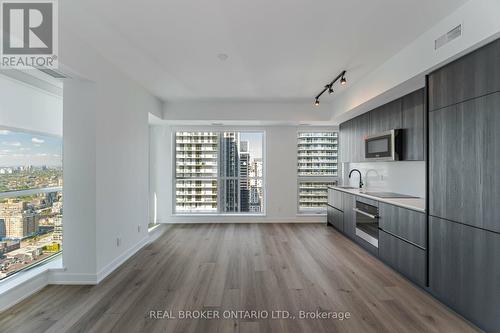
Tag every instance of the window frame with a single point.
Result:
(35, 191)
(219, 130)
(314, 178)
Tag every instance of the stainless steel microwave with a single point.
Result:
(385, 146)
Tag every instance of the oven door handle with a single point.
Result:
(373, 217)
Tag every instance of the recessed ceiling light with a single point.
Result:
(222, 56)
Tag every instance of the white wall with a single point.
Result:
(404, 177)
(106, 143)
(405, 71)
(280, 170)
(26, 107)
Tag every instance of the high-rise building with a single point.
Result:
(229, 171)
(57, 235)
(244, 176)
(317, 154)
(196, 171)
(3, 230)
(20, 220)
(316, 168)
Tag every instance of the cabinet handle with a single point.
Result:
(365, 213)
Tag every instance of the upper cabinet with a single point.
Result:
(474, 75)
(413, 126)
(386, 117)
(405, 113)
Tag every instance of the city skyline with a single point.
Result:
(19, 148)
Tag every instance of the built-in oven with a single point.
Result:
(367, 222)
(385, 146)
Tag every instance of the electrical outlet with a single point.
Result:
(118, 241)
(139, 228)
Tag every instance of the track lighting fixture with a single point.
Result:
(329, 86)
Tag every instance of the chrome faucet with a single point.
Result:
(360, 180)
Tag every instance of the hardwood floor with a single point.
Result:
(218, 267)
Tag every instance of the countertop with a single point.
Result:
(417, 204)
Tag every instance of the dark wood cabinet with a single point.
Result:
(345, 142)
(335, 218)
(464, 183)
(404, 257)
(386, 117)
(349, 219)
(474, 75)
(464, 161)
(413, 126)
(404, 223)
(464, 270)
(406, 113)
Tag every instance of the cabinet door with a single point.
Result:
(386, 117)
(335, 218)
(464, 271)
(413, 126)
(345, 141)
(361, 129)
(405, 258)
(405, 223)
(335, 199)
(473, 75)
(464, 160)
(349, 219)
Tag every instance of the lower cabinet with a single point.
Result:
(404, 257)
(335, 218)
(349, 218)
(464, 271)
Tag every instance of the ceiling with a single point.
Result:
(277, 50)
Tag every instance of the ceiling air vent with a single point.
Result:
(448, 37)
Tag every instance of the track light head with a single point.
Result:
(316, 102)
(343, 81)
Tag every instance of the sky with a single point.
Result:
(254, 142)
(19, 148)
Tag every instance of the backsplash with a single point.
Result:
(403, 177)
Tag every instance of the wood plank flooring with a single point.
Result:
(218, 267)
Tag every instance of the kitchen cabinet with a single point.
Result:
(361, 129)
(404, 257)
(474, 75)
(335, 218)
(346, 141)
(386, 117)
(464, 156)
(413, 126)
(404, 223)
(464, 270)
(406, 113)
(335, 199)
(349, 218)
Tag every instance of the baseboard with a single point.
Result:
(61, 276)
(118, 261)
(23, 286)
(218, 220)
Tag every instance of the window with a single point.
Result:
(30, 199)
(317, 168)
(219, 172)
